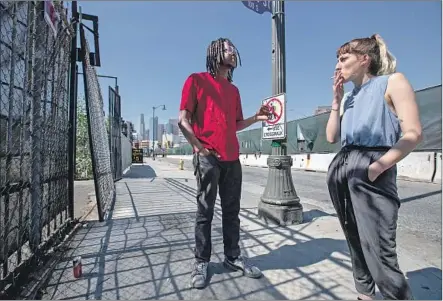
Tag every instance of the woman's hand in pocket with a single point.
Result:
(375, 170)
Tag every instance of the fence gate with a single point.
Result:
(115, 129)
(99, 146)
(34, 124)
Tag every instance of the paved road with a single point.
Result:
(419, 222)
(82, 203)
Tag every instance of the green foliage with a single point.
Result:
(83, 163)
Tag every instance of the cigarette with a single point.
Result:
(336, 70)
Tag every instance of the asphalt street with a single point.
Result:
(419, 222)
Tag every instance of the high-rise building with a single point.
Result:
(169, 128)
(153, 125)
(182, 140)
(160, 132)
(141, 133)
(172, 127)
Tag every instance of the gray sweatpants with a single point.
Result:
(368, 213)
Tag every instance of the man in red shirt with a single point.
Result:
(210, 116)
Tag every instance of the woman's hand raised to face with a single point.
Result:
(337, 87)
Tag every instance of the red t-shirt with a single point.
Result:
(216, 107)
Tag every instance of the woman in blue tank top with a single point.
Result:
(377, 124)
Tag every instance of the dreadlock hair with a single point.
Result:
(214, 57)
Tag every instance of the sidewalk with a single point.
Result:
(145, 250)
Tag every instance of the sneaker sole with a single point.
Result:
(197, 287)
(236, 268)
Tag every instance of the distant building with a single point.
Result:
(153, 127)
(168, 128)
(128, 129)
(160, 132)
(182, 139)
(141, 133)
(172, 127)
(322, 109)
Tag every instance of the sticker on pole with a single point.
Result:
(275, 127)
(51, 15)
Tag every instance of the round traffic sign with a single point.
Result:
(276, 110)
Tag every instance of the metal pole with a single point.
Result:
(36, 132)
(72, 134)
(279, 202)
(153, 118)
(107, 76)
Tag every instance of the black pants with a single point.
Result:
(368, 213)
(212, 175)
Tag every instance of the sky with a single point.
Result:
(153, 46)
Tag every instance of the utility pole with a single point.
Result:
(154, 129)
(279, 202)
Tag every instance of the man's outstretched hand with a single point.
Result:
(263, 113)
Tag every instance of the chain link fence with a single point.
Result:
(115, 132)
(98, 135)
(34, 104)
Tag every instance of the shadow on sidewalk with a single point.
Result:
(298, 253)
(148, 255)
(149, 259)
(426, 283)
(139, 171)
(145, 251)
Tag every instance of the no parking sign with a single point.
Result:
(275, 127)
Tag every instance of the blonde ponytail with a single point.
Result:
(388, 62)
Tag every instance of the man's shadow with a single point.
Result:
(302, 254)
(426, 283)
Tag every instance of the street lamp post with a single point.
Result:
(153, 118)
(279, 202)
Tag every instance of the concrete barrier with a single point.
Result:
(438, 175)
(319, 162)
(299, 161)
(254, 161)
(418, 165)
(184, 157)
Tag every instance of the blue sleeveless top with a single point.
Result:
(367, 119)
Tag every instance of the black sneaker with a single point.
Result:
(241, 263)
(199, 274)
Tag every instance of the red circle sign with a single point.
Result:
(276, 110)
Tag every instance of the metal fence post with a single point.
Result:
(98, 138)
(33, 135)
(35, 131)
(72, 114)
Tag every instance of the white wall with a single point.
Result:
(126, 152)
(418, 165)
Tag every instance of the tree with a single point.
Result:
(83, 163)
